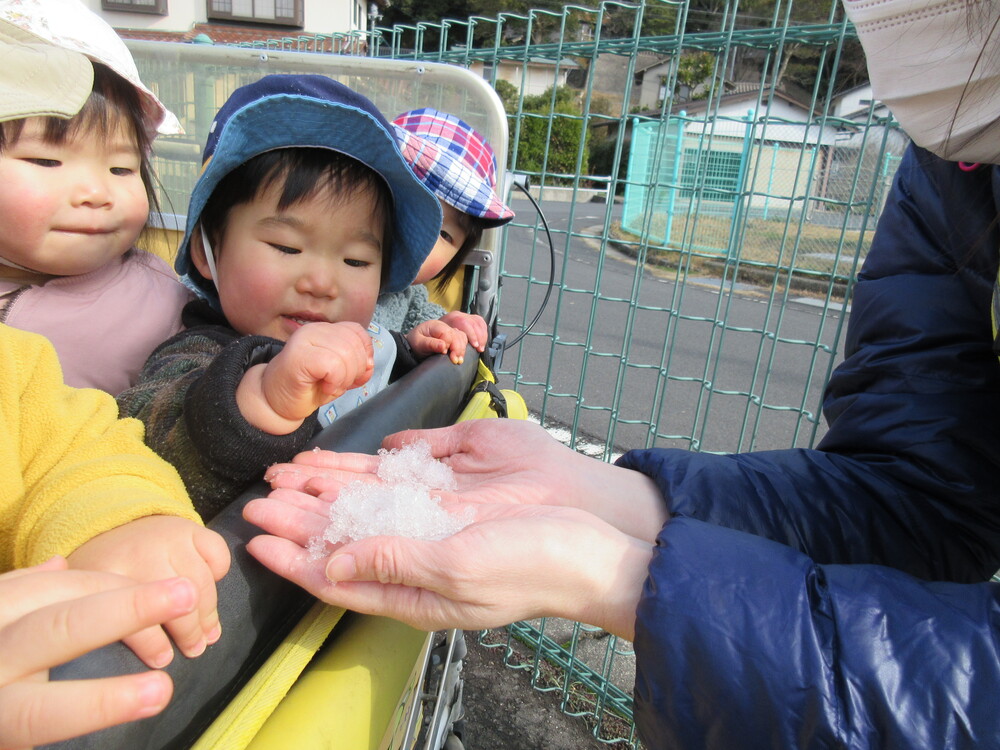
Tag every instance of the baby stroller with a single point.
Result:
(289, 671)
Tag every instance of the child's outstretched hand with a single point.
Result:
(159, 547)
(318, 363)
(51, 615)
(437, 337)
(473, 326)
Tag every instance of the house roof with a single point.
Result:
(655, 64)
(564, 63)
(742, 92)
(739, 91)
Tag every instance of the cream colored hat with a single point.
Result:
(39, 80)
(69, 24)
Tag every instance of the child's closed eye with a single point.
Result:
(357, 262)
(284, 249)
(43, 162)
(122, 171)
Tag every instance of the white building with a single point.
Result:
(254, 19)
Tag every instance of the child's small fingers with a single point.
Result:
(363, 377)
(481, 335)
(152, 646)
(459, 343)
(211, 626)
(208, 613)
(361, 343)
(215, 552)
(188, 635)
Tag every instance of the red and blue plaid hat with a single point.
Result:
(454, 161)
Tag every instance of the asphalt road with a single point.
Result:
(736, 360)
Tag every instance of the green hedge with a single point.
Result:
(535, 139)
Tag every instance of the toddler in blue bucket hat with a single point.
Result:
(304, 211)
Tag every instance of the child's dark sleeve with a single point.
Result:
(186, 396)
(405, 359)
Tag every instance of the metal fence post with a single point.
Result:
(732, 247)
(675, 175)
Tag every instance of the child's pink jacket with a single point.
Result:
(103, 324)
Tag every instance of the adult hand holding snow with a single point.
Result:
(499, 461)
(513, 562)
(400, 503)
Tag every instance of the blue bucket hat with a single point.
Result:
(313, 111)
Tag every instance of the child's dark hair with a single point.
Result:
(113, 102)
(302, 173)
(473, 227)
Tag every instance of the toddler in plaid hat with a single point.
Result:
(459, 166)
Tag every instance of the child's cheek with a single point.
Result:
(263, 293)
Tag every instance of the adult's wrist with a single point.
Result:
(612, 569)
(627, 499)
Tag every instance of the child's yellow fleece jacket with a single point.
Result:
(69, 468)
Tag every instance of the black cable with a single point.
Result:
(552, 269)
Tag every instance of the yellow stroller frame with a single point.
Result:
(294, 672)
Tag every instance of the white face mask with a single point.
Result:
(936, 65)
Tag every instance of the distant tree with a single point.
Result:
(800, 63)
(658, 19)
(694, 67)
(556, 147)
(508, 93)
(410, 12)
(545, 22)
(602, 155)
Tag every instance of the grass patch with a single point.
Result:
(812, 259)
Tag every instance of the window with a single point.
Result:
(157, 7)
(284, 12)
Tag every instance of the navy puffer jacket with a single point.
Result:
(865, 623)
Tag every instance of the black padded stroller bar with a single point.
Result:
(258, 608)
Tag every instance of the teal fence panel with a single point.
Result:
(654, 178)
